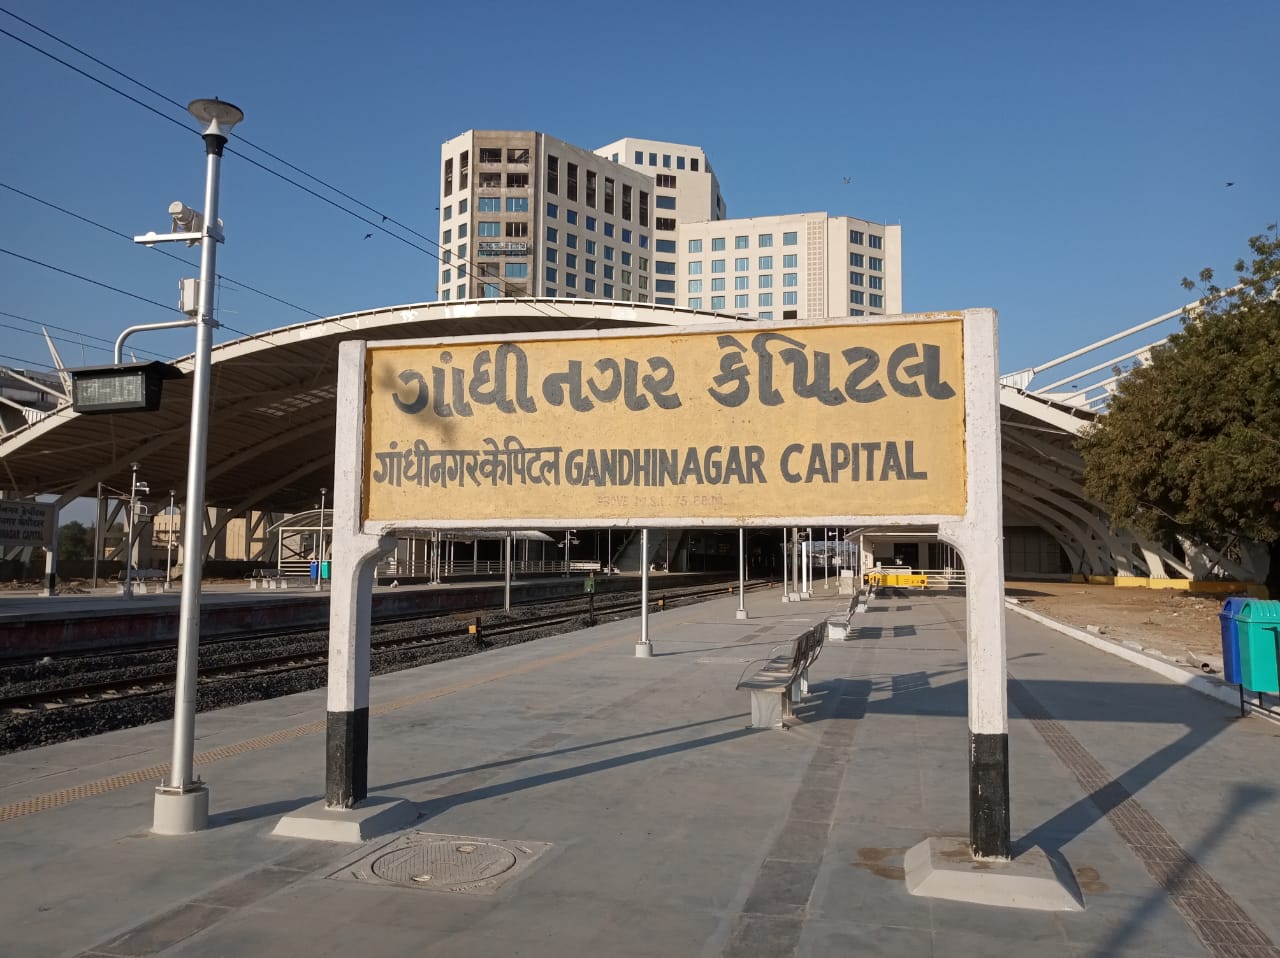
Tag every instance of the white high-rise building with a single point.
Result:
(524, 214)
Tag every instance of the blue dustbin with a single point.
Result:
(1229, 622)
(1260, 645)
(315, 576)
(324, 570)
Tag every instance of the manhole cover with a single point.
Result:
(443, 864)
(452, 863)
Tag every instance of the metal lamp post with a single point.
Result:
(168, 550)
(320, 544)
(128, 536)
(182, 802)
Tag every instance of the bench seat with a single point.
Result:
(782, 679)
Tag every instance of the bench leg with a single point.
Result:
(768, 709)
(803, 684)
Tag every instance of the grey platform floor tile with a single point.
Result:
(1145, 924)
(972, 944)
(829, 938)
(764, 937)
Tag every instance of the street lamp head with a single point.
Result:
(218, 116)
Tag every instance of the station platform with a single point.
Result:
(609, 805)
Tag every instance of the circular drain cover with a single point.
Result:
(443, 864)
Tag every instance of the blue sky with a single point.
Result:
(1065, 164)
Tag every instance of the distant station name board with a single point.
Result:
(26, 523)
(737, 425)
(502, 249)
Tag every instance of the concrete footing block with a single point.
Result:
(740, 614)
(644, 650)
(180, 812)
(376, 815)
(945, 868)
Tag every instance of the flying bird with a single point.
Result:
(368, 236)
(1231, 184)
(848, 179)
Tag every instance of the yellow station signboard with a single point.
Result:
(735, 424)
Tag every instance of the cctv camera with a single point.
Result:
(185, 219)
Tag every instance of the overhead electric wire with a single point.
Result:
(385, 217)
(162, 252)
(86, 279)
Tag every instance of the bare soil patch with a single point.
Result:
(1170, 621)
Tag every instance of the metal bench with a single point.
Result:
(782, 679)
(267, 579)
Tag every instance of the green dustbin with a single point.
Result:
(324, 570)
(1258, 621)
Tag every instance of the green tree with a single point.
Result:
(1190, 444)
(75, 541)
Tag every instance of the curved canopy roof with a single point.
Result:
(272, 406)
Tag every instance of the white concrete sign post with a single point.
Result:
(725, 425)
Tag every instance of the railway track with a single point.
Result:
(449, 636)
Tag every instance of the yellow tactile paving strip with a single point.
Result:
(156, 773)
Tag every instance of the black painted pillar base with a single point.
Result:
(346, 764)
(989, 795)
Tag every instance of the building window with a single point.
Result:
(788, 260)
(741, 264)
(490, 154)
(462, 203)
(446, 237)
(608, 194)
(516, 271)
(664, 286)
(462, 177)
(460, 292)
(448, 213)
(790, 279)
(666, 160)
(764, 262)
(639, 157)
(856, 259)
(589, 246)
(549, 291)
(626, 202)
(626, 261)
(462, 270)
(590, 265)
(446, 256)
(653, 159)
(589, 286)
(608, 271)
(518, 181)
(695, 286)
(490, 181)
(446, 276)
(876, 300)
(552, 233)
(764, 299)
(855, 279)
(789, 299)
(626, 277)
(608, 252)
(764, 240)
(571, 217)
(626, 236)
(766, 315)
(571, 240)
(664, 246)
(490, 204)
(742, 282)
(693, 163)
(717, 266)
(664, 202)
(664, 267)
(462, 230)
(874, 241)
(741, 242)
(695, 268)
(679, 162)
(855, 237)
(717, 244)
(571, 182)
(695, 246)
(875, 282)
(717, 302)
(517, 204)
(518, 230)
(666, 181)
(741, 300)
(444, 294)
(608, 290)
(591, 224)
(857, 312)
(717, 284)
(789, 239)
(462, 252)
(765, 281)
(571, 280)
(488, 228)
(695, 302)
(643, 263)
(491, 290)
(664, 224)
(553, 211)
(570, 260)
(553, 174)
(857, 297)
(448, 176)
(876, 263)
(644, 208)
(550, 254)
(591, 188)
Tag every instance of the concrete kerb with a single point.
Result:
(1213, 688)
